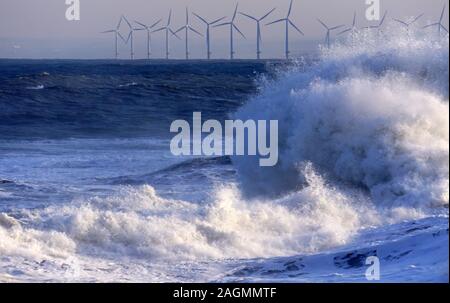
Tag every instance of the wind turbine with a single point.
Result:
(258, 31)
(168, 30)
(408, 24)
(117, 34)
(149, 38)
(288, 22)
(130, 37)
(232, 28)
(353, 29)
(329, 30)
(208, 33)
(379, 25)
(439, 23)
(187, 27)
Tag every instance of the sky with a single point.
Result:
(39, 28)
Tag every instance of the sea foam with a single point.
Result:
(373, 115)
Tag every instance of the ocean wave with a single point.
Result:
(114, 99)
(195, 168)
(373, 115)
(139, 223)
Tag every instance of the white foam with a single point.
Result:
(37, 87)
(139, 223)
(373, 115)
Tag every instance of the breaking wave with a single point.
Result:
(372, 115)
(139, 223)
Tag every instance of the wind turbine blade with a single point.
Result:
(187, 16)
(443, 27)
(155, 24)
(354, 20)
(267, 15)
(417, 18)
(195, 31)
(323, 24)
(179, 30)
(345, 31)
(430, 25)
(110, 31)
(223, 24)
(128, 22)
(402, 22)
(294, 26)
(159, 29)
(122, 38)
(170, 17)
(235, 11)
(128, 39)
(442, 14)
(290, 8)
(141, 24)
(248, 16)
(215, 21)
(175, 34)
(384, 17)
(277, 21)
(201, 19)
(120, 23)
(236, 28)
(336, 27)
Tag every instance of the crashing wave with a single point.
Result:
(372, 115)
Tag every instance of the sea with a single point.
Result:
(90, 191)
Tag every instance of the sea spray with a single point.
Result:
(364, 116)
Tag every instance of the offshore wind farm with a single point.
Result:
(233, 25)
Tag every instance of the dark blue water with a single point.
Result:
(67, 125)
(91, 99)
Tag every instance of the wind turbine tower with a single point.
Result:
(329, 30)
(352, 30)
(168, 31)
(149, 37)
(233, 27)
(288, 23)
(117, 35)
(208, 33)
(258, 31)
(130, 37)
(439, 24)
(408, 24)
(379, 25)
(187, 27)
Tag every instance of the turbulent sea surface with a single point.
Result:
(89, 190)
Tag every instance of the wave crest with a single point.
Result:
(371, 115)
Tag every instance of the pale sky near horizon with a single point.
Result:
(38, 28)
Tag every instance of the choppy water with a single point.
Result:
(90, 192)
